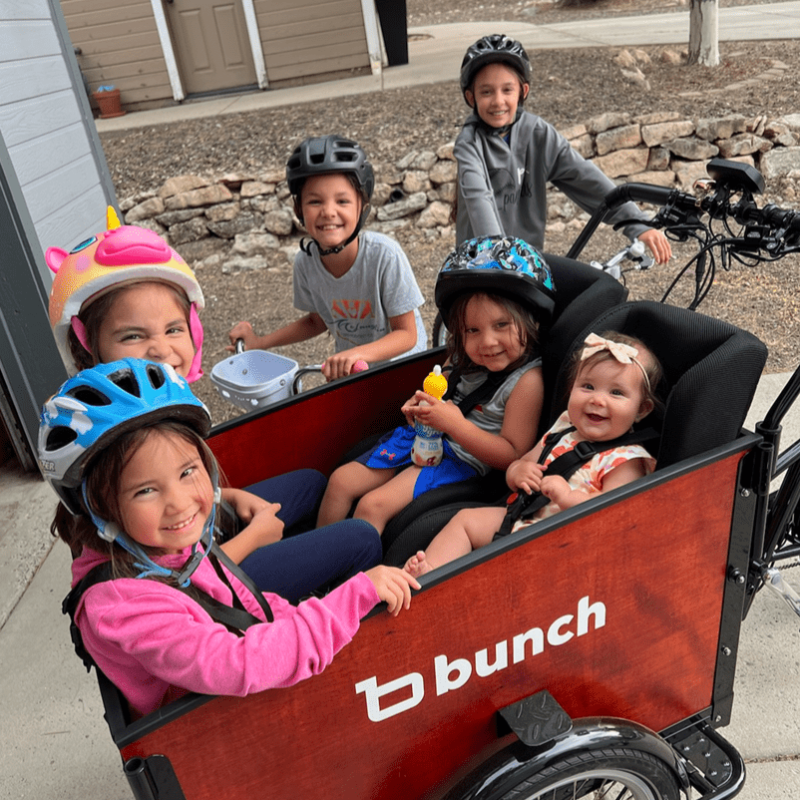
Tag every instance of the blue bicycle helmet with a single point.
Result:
(500, 265)
(95, 408)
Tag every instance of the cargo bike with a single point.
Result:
(591, 655)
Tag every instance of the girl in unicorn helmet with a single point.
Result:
(159, 608)
(125, 293)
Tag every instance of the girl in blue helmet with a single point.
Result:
(122, 445)
(125, 293)
(492, 294)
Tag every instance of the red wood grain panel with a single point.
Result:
(625, 604)
(320, 428)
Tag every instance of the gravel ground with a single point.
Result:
(570, 86)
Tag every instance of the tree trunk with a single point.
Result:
(704, 32)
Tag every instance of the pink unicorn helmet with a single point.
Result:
(122, 254)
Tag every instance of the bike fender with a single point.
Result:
(514, 763)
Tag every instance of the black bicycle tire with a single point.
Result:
(650, 776)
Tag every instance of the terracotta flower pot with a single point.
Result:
(109, 103)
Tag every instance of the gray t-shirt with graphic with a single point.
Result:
(356, 307)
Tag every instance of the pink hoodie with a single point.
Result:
(156, 644)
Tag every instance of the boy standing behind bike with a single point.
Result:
(506, 156)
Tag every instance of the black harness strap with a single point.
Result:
(521, 505)
(494, 380)
(235, 618)
(242, 577)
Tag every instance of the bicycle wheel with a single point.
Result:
(619, 773)
(438, 332)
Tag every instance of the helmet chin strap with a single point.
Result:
(196, 331)
(499, 131)
(110, 532)
(80, 332)
(339, 247)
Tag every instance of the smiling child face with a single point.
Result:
(147, 321)
(331, 208)
(496, 93)
(606, 399)
(165, 494)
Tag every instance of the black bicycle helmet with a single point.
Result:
(326, 154)
(494, 49)
(321, 154)
(499, 265)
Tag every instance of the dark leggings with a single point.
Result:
(316, 560)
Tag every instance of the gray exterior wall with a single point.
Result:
(48, 128)
(54, 190)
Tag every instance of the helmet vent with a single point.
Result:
(126, 381)
(89, 396)
(60, 437)
(83, 245)
(156, 376)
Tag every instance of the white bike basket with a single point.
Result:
(254, 378)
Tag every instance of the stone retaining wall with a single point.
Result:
(245, 221)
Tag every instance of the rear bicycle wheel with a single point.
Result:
(619, 773)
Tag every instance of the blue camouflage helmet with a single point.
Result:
(500, 265)
(96, 407)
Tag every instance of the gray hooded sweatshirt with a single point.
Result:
(502, 186)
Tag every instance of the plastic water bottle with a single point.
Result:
(427, 450)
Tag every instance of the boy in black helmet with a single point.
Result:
(506, 157)
(356, 284)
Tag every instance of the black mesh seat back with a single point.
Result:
(711, 370)
(582, 293)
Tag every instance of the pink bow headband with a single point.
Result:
(623, 353)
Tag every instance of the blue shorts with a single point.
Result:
(393, 451)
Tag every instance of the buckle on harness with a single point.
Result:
(585, 450)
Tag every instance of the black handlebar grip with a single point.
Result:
(781, 217)
(647, 193)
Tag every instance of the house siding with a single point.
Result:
(308, 41)
(45, 123)
(120, 46)
(304, 41)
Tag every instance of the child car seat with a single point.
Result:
(581, 293)
(711, 370)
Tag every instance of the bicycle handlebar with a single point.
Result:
(640, 192)
(770, 228)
